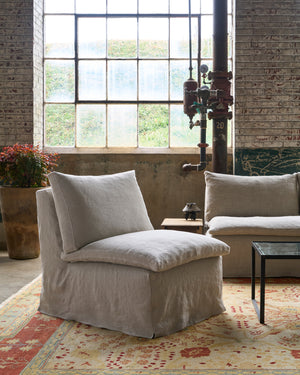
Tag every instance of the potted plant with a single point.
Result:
(23, 170)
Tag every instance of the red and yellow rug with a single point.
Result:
(233, 343)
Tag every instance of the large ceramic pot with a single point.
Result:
(19, 215)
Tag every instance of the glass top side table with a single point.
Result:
(269, 250)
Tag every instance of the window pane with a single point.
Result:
(59, 36)
(121, 37)
(229, 122)
(153, 125)
(183, 6)
(122, 126)
(196, 6)
(117, 6)
(90, 6)
(59, 6)
(179, 6)
(153, 35)
(229, 41)
(179, 38)
(91, 129)
(209, 132)
(180, 133)
(206, 7)
(153, 6)
(206, 36)
(153, 80)
(60, 125)
(91, 82)
(179, 73)
(91, 37)
(122, 82)
(59, 78)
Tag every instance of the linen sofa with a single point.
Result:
(103, 263)
(242, 209)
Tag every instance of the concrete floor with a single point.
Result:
(14, 274)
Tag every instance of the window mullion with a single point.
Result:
(199, 51)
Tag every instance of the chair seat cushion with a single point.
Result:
(155, 250)
(256, 225)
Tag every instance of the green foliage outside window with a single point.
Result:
(156, 123)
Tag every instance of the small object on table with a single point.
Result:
(190, 210)
(195, 226)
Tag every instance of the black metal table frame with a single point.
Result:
(261, 311)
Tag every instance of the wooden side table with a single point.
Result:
(195, 226)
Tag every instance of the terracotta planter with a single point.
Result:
(19, 214)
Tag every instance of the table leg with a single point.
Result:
(253, 275)
(262, 290)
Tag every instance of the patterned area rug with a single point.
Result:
(233, 343)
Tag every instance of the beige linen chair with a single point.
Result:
(104, 264)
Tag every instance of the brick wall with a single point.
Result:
(267, 93)
(38, 75)
(16, 71)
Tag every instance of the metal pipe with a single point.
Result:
(202, 145)
(219, 145)
(190, 41)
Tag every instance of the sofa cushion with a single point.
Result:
(90, 208)
(155, 250)
(255, 225)
(231, 195)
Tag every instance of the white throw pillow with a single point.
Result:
(91, 208)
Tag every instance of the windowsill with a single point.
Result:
(129, 150)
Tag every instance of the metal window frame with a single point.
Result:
(169, 59)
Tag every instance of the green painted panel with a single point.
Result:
(266, 161)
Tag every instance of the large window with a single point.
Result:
(114, 71)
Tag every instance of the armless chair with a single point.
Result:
(103, 263)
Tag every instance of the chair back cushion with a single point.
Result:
(232, 195)
(91, 208)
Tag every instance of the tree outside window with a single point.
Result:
(114, 71)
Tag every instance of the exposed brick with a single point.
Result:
(21, 35)
(267, 74)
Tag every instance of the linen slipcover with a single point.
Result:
(90, 208)
(132, 299)
(232, 195)
(154, 250)
(257, 225)
(243, 209)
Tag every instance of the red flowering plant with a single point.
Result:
(25, 166)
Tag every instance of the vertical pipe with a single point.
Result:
(219, 146)
(190, 41)
(203, 126)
